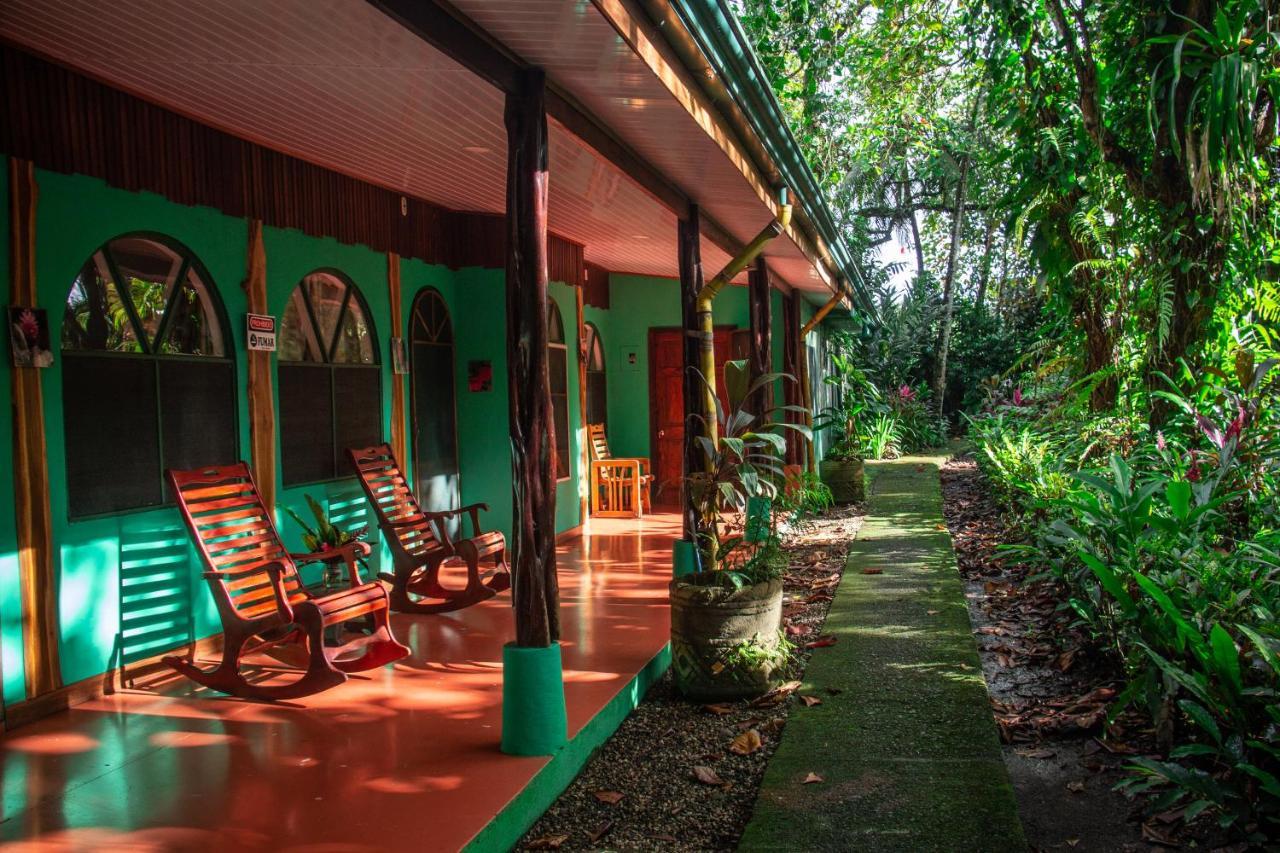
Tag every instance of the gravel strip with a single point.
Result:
(640, 792)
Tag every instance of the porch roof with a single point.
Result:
(343, 85)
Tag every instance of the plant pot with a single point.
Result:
(533, 711)
(844, 478)
(707, 623)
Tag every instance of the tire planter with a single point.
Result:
(708, 621)
(844, 478)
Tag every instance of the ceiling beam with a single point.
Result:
(449, 31)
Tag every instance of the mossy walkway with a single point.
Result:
(904, 740)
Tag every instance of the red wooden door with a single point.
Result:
(666, 409)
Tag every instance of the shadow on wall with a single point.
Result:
(155, 595)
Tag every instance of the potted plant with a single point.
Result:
(726, 619)
(857, 398)
(327, 536)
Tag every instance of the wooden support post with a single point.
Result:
(584, 457)
(690, 263)
(39, 589)
(792, 394)
(761, 321)
(262, 407)
(534, 589)
(399, 440)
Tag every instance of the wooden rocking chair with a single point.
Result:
(260, 597)
(619, 487)
(420, 544)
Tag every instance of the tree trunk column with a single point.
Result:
(690, 261)
(535, 592)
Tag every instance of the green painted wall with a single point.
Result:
(637, 304)
(11, 670)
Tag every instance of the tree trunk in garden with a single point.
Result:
(534, 587)
(981, 297)
(761, 320)
(690, 261)
(915, 235)
(948, 287)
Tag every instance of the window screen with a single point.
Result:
(147, 381)
(330, 382)
(597, 386)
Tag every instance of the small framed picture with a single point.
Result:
(480, 375)
(399, 356)
(29, 337)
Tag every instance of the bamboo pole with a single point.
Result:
(30, 453)
(836, 299)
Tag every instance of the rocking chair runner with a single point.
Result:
(420, 544)
(260, 597)
(619, 487)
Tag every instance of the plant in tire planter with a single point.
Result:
(726, 620)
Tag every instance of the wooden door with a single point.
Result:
(666, 409)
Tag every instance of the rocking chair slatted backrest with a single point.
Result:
(599, 444)
(235, 535)
(393, 502)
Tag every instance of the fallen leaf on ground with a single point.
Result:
(835, 691)
(548, 842)
(600, 831)
(746, 743)
(717, 668)
(811, 779)
(1155, 836)
(706, 775)
(798, 630)
(872, 570)
(670, 839)
(718, 709)
(1036, 753)
(810, 701)
(1076, 787)
(1065, 660)
(822, 642)
(933, 612)
(610, 797)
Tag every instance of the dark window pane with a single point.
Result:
(358, 409)
(355, 339)
(597, 400)
(558, 368)
(113, 449)
(306, 423)
(560, 411)
(194, 327)
(197, 413)
(96, 318)
(555, 325)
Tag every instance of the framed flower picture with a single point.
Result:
(29, 337)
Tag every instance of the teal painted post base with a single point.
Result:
(684, 558)
(533, 713)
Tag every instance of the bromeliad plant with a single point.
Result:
(326, 536)
(744, 461)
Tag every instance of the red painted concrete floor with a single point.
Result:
(406, 759)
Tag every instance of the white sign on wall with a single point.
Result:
(261, 332)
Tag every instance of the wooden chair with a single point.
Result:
(420, 544)
(619, 487)
(260, 597)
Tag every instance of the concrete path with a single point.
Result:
(904, 740)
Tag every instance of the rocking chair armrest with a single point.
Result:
(348, 553)
(473, 510)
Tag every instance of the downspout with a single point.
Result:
(706, 325)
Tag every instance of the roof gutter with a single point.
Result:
(710, 41)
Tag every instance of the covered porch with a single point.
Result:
(162, 765)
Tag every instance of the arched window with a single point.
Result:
(148, 381)
(330, 383)
(558, 366)
(597, 386)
